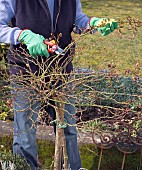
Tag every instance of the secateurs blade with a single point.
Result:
(53, 47)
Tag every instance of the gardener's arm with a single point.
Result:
(82, 19)
(8, 35)
(14, 35)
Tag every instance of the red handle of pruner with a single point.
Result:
(51, 46)
(50, 43)
(50, 50)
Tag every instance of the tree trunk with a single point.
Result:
(60, 142)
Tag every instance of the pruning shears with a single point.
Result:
(53, 47)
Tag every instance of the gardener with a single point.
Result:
(33, 21)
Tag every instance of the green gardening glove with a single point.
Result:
(103, 25)
(34, 43)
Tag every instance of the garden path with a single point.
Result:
(44, 132)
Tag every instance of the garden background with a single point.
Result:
(118, 53)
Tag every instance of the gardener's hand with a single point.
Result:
(34, 43)
(103, 25)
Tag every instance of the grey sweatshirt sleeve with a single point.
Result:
(81, 18)
(8, 35)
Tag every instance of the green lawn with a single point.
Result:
(111, 158)
(122, 50)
